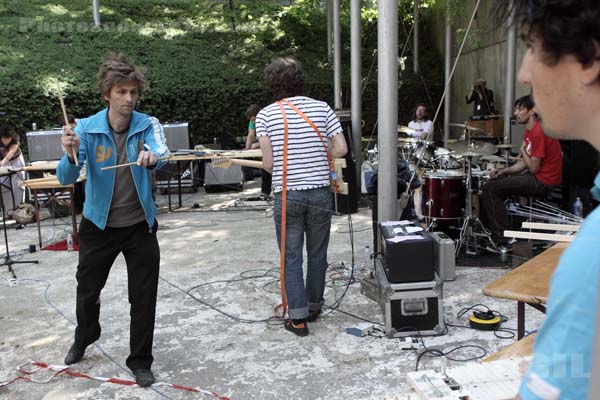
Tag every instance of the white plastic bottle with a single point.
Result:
(69, 241)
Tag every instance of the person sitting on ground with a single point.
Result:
(11, 157)
(539, 169)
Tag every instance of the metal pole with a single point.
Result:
(509, 95)
(96, 13)
(447, 68)
(416, 37)
(329, 30)
(387, 109)
(337, 57)
(355, 79)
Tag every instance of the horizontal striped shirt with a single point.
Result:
(307, 165)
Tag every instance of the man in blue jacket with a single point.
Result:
(119, 214)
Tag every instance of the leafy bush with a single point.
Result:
(204, 59)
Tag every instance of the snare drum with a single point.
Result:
(424, 153)
(445, 159)
(478, 179)
(444, 194)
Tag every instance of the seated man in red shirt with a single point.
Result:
(538, 170)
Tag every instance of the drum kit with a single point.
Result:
(450, 178)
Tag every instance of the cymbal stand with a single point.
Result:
(9, 262)
(472, 227)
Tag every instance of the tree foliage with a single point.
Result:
(204, 59)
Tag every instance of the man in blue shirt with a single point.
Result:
(562, 67)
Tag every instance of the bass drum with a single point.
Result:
(444, 194)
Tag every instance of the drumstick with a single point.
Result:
(64, 111)
(128, 164)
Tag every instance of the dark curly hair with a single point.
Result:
(563, 27)
(525, 101)
(285, 77)
(252, 110)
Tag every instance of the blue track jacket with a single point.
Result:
(98, 148)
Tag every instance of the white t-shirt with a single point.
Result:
(421, 127)
(308, 167)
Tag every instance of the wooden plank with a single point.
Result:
(550, 227)
(539, 236)
(530, 282)
(519, 349)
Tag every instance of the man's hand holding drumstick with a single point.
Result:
(70, 142)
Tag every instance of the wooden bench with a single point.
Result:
(528, 284)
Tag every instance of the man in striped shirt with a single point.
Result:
(298, 138)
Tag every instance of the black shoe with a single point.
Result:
(296, 326)
(75, 354)
(313, 315)
(143, 377)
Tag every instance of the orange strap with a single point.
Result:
(283, 304)
(312, 125)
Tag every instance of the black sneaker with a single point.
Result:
(313, 315)
(143, 377)
(75, 354)
(296, 326)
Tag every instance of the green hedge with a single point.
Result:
(199, 70)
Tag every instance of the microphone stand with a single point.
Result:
(9, 262)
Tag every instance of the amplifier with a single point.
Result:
(177, 135)
(410, 309)
(408, 256)
(217, 179)
(169, 176)
(444, 257)
(44, 145)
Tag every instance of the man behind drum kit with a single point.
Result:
(423, 129)
(422, 125)
(538, 170)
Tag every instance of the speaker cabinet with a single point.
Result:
(177, 135)
(45, 145)
(217, 179)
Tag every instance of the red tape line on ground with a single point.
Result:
(63, 369)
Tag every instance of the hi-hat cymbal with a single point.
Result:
(472, 148)
(406, 129)
(506, 146)
(464, 126)
(413, 140)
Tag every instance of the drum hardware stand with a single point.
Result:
(9, 262)
(472, 227)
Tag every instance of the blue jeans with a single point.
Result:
(308, 211)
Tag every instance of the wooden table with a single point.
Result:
(519, 349)
(528, 284)
(53, 189)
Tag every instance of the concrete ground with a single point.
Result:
(214, 326)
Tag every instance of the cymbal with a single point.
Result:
(461, 148)
(506, 146)
(469, 127)
(406, 129)
(414, 140)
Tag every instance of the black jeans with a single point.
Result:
(494, 193)
(97, 252)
